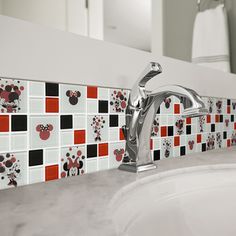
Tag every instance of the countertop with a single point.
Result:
(79, 205)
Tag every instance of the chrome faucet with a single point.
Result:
(140, 114)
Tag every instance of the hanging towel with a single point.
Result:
(211, 39)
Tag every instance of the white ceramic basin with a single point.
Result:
(199, 201)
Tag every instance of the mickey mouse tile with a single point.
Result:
(44, 131)
(13, 169)
(73, 98)
(72, 161)
(13, 96)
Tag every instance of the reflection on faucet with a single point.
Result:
(140, 114)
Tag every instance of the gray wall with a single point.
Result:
(178, 27)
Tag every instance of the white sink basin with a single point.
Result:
(199, 201)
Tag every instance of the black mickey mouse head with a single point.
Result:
(73, 96)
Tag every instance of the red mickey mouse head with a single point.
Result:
(119, 154)
(191, 144)
(44, 131)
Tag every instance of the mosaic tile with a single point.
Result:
(97, 128)
(13, 96)
(118, 100)
(116, 154)
(13, 168)
(73, 98)
(72, 161)
(62, 118)
(44, 131)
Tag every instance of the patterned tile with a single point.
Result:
(70, 130)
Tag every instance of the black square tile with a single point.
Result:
(221, 118)
(91, 150)
(182, 151)
(35, 157)
(213, 127)
(114, 120)
(232, 118)
(52, 89)
(156, 155)
(19, 123)
(158, 111)
(102, 106)
(170, 131)
(203, 147)
(66, 122)
(228, 102)
(225, 135)
(188, 129)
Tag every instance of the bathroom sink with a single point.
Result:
(196, 201)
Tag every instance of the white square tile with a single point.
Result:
(16, 89)
(36, 105)
(73, 98)
(92, 106)
(44, 131)
(114, 134)
(67, 138)
(52, 156)
(102, 164)
(103, 93)
(73, 161)
(4, 143)
(19, 141)
(16, 174)
(97, 130)
(36, 89)
(121, 120)
(92, 166)
(80, 122)
(116, 154)
(36, 175)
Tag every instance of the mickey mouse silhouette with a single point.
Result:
(167, 102)
(44, 131)
(191, 144)
(119, 154)
(73, 96)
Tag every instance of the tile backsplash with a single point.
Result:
(50, 131)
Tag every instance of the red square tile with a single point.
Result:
(235, 126)
(122, 137)
(228, 109)
(151, 144)
(51, 172)
(163, 131)
(208, 118)
(52, 105)
(228, 143)
(176, 141)
(103, 149)
(217, 118)
(92, 92)
(199, 138)
(79, 136)
(4, 123)
(188, 120)
(176, 108)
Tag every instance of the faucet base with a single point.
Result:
(132, 167)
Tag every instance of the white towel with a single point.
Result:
(211, 39)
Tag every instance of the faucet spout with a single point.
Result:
(140, 114)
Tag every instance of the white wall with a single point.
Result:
(128, 23)
(35, 52)
(77, 17)
(1, 6)
(47, 12)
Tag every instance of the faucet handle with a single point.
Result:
(150, 71)
(138, 92)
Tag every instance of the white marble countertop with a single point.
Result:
(78, 205)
